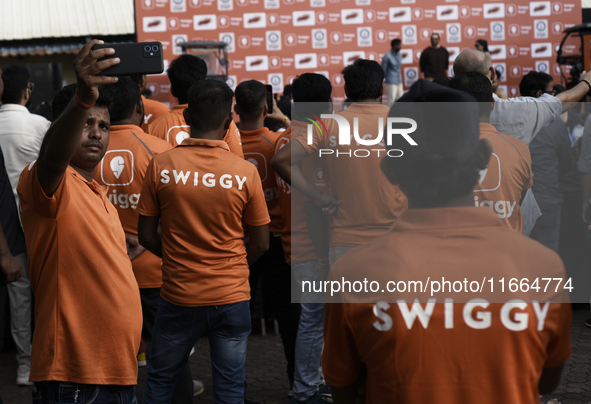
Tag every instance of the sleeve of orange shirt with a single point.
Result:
(256, 212)
(558, 324)
(232, 138)
(148, 204)
(300, 132)
(340, 360)
(30, 190)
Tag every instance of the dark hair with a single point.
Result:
(124, 94)
(478, 86)
(311, 94)
(16, 80)
(483, 43)
(137, 78)
(435, 33)
(251, 97)
(395, 41)
(183, 72)
(364, 80)
(65, 95)
(210, 101)
(474, 83)
(287, 91)
(445, 165)
(311, 87)
(533, 82)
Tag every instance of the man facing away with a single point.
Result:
(21, 134)
(434, 60)
(203, 195)
(258, 144)
(183, 72)
(362, 204)
(522, 117)
(506, 348)
(391, 65)
(506, 178)
(312, 94)
(87, 303)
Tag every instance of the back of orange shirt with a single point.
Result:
(123, 169)
(88, 316)
(152, 111)
(507, 175)
(173, 128)
(370, 203)
(297, 244)
(485, 348)
(203, 195)
(259, 148)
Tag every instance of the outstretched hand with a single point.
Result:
(87, 67)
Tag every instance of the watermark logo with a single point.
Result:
(345, 137)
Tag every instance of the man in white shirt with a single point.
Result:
(522, 117)
(21, 134)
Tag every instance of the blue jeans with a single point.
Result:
(177, 329)
(310, 339)
(53, 392)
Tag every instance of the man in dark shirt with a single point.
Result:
(434, 59)
(551, 156)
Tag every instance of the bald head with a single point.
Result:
(472, 61)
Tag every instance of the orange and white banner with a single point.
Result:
(275, 40)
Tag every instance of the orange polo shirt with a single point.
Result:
(297, 244)
(259, 148)
(123, 169)
(88, 317)
(152, 110)
(491, 352)
(370, 203)
(203, 194)
(507, 175)
(173, 128)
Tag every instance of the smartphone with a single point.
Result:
(269, 97)
(136, 58)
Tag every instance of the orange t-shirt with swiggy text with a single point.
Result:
(173, 128)
(203, 194)
(507, 175)
(295, 238)
(123, 169)
(152, 110)
(259, 148)
(370, 203)
(444, 349)
(88, 316)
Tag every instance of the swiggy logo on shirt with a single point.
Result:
(196, 179)
(117, 168)
(178, 133)
(345, 137)
(488, 185)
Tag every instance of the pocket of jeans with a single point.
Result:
(77, 393)
(236, 319)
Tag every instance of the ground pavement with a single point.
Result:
(267, 380)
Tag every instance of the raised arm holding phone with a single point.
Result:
(87, 312)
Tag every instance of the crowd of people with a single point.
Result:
(137, 226)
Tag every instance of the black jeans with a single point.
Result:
(276, 281)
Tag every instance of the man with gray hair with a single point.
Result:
(522, 117)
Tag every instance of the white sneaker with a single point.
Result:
(198, 387)
(22, 376)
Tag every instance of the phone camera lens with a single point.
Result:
(147, 48)
(155, 48)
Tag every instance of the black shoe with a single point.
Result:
(588, 322)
